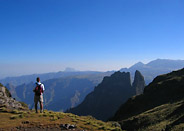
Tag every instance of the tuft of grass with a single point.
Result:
(16, 116)
(21, 116)
(3, 109)
(24, 104)
(54, 118)
(102, 128)
(15, 111)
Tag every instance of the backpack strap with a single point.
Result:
(38, 84)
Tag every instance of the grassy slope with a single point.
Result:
(50, 120)
(165, 117)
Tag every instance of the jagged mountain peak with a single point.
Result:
(163, 89)
(138, 83)
(117, 76)
(103, 102)
(118, 73)
(138, 75)
(137, 72)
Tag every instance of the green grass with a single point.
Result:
(52, 118)
(158, 118)
(24, 104)
(14, 117)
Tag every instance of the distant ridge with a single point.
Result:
(25, 79)
(155, 68)
(149, 71)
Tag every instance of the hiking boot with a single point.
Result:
(41, 111)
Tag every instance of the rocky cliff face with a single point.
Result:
(138, 83)
(106, 98)
(8, 102)
(164, 89)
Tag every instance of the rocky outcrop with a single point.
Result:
(8, 102)
(106, 98)
(163, 89)
(138, 83)
(12, 90)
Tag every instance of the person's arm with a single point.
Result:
(34, 87)
(43, 87)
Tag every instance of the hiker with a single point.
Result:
(38, 97)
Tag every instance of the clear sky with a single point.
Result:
(48, 35)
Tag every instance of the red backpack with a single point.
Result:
(38, 89)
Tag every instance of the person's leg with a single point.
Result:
(41, 107)
(36, 103)
(41, 103)
(36, 108)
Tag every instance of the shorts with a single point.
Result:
(38, 98)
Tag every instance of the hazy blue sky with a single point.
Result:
(49, 35)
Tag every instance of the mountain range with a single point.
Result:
(67, 89)
(26, 79)
(158, 106)
(154, 68)
(61, 93)
(149, 71)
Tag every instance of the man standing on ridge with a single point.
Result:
(38, 97)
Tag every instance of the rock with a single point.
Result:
(138, 83)
(25, 122)
(116, 124)
(8, 101)
(67, 126)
